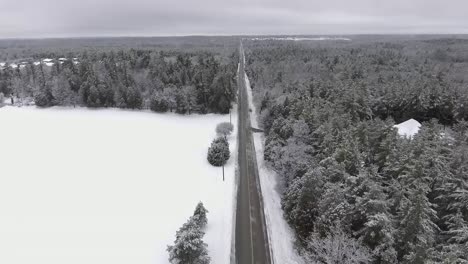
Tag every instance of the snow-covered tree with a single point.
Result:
(43, 97)
(417, 231)
(224, 129)
(218, 153)
(332, 207)
(159, 103)
(300, 201)
(378, 230)
(189, 247)
(200, 215)
(456, 248)
(62, 92)
(336, 248)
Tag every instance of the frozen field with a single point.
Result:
(107, 186)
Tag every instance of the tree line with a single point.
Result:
(349, 180)
(177, 81)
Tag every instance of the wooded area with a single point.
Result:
(157, 77)
(329, 109)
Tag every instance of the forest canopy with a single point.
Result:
(160, 77)
(328, 110)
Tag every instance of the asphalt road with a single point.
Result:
(251, 238)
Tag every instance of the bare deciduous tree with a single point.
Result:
(224, 129)
(337, 248)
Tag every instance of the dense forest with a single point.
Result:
(354, 190)
(159, 78)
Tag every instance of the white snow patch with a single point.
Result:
(2, 64)
(13, 65)
(108, 186)
(47, 60)
(281, 236)
(49, 64)
(36, 63)
(408, 128)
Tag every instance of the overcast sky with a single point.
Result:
(76, 18)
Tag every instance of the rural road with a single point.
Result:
(251, 238)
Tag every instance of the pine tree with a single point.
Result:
(93, 99)
(159, 103)
(200, 215)
(218, 153)
(456, 248)
(417, 229)
(189, 247)
(373, 210)
(300, 201)
(43, 97)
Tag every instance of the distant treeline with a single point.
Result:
(402, 80)
(350, 182)
(20, 49)
(162, 81)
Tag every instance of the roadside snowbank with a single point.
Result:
(108, 186)
(281, 236)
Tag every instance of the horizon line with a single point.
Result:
(232, 35)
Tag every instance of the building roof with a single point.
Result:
(408, 128)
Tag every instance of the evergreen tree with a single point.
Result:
(300, 201)
(159, 103)
(375, 222)
(62, 92)
(199, 215)
(455, 250)
(417, 230)
(43, 97)
(189, 247)
(218, 153)
(93, 99)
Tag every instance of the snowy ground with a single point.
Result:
(280, 234)
(107, 186)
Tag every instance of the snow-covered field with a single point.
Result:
(107, 186)
(281, 236)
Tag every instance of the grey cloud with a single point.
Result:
(74, 18)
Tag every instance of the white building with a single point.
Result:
(408, 128)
